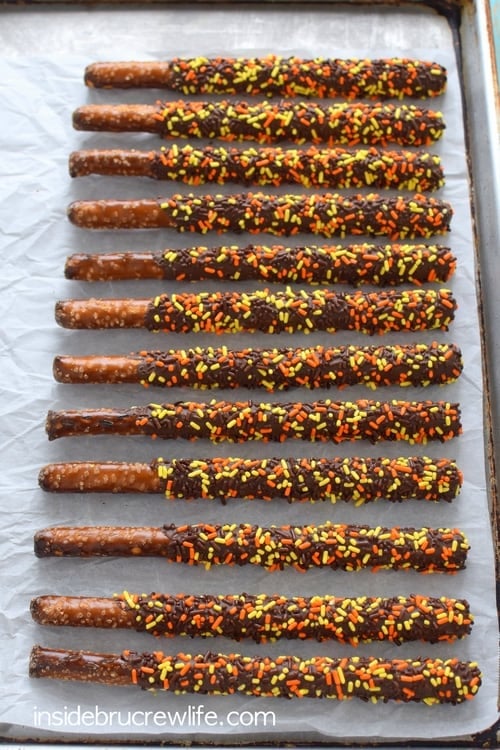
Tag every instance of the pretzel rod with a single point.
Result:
(328, 214)
(336, 546)
(355, 480)
(340, 123)
(379, 265)
(322, 168)
(274, 75)
(416, 422)
(263, 618)
(285, 311)
(272, 369)
(427, 680)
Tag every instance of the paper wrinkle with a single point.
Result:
(35, 238)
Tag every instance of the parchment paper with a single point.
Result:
(38, 96)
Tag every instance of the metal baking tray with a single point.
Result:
(55, 29)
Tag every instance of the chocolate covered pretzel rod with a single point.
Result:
(327, 214)
(313, 167)
(329, 545)
(278, 312)
(427, 680)
(275, 369)
(275, 75)
(416, 422)
(342, 123)
(263, 617)
(355, 480)
(379, 265)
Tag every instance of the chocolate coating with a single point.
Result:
(324, 214)
(265, 618)
(290, 311)
(358, 480)
(311, 167)
(302, 122)
(321, 77)
(316, 367)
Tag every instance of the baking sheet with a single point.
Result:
(38, 96)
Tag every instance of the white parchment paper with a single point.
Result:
(38, 96)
